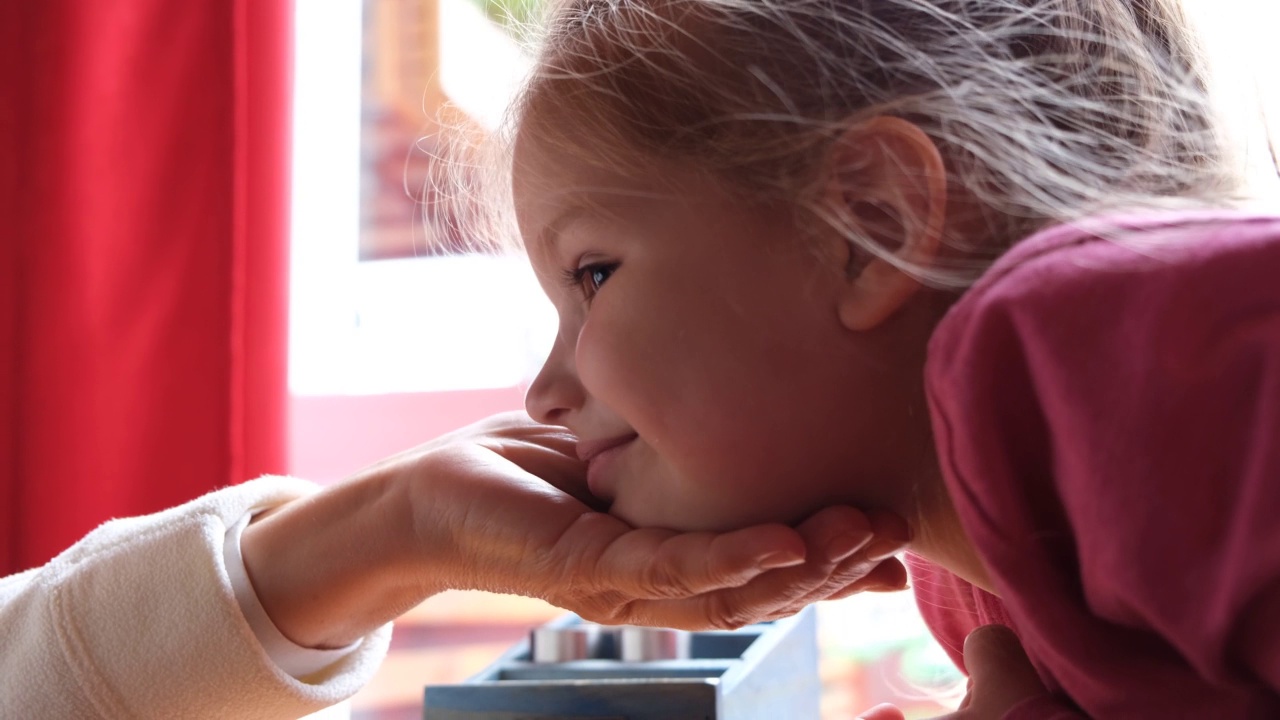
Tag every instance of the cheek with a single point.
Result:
(626, 359)
(734, 409)
(711, 491)
(603, 356)
(687, 372)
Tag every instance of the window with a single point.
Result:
(373, 311)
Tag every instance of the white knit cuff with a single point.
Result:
(292, 658)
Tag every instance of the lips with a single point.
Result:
(590, 449)
(599, 456)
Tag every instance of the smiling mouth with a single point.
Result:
(599, 456)
(591, 449)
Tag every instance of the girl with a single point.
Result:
(973, 262)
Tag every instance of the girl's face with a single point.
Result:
(700, 358)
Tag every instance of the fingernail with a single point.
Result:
(883, 549)
(844, 546)
(779, 559)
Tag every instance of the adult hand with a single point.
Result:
(1000, 677)
(502, 505)
(508, 498)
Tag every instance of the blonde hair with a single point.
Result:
(1046, 111)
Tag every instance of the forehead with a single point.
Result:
(548, 162)
(552, 179)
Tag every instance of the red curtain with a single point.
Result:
(143, 259)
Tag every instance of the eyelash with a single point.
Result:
(582, 280)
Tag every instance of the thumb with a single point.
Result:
(994, 657)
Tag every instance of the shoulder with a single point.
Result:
(1116, 405)
(1106, 343)
(1086, 278)
(1074, 315)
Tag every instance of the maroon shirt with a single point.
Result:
(1107, 417)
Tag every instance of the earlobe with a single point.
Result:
(875, 295)
(887, 184)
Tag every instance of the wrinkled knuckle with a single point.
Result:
(835, 591)
(593, 613)
(726, 616)
(846, 576)
(589, 609)
(603, 609)
(797, 592)
(662, 581)
(617, 612)
(588, 612)
(788, 611)
(561, 577)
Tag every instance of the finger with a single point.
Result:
(883, 712)
(832, 536)
(862, 569)
(551, 464)
(993, 655)
(833, 532)
(542, 450)
(684, 578)
(662, 564)
(725, 609)
(1001, 674)
(548, 452)
(889, 576)
(694, 563)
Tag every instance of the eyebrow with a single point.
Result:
(550, 233)
(601, 204)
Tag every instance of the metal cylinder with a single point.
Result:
(643, 644)
(563, 644)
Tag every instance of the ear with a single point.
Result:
(886, 182)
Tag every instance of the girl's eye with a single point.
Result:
(588, 279)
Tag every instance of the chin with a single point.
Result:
(683, 517)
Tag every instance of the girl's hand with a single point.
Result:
(1000, 677)
(502, 505)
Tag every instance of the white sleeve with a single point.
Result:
(139, 620)
(289, 656)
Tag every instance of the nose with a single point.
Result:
(556, 391)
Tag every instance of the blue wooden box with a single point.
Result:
(761, 672)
